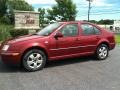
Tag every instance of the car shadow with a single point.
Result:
(10, 69)
(64, 62)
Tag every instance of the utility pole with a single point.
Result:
(89, 8)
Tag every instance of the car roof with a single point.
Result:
(81, 22)
(76, 22)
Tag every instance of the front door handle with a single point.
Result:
(97, 37)
(77, 39)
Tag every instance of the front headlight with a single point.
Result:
(5, 47)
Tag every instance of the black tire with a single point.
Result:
(34, 60)
(102, 52)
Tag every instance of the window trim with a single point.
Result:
(98, 30)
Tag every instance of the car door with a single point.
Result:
(66, 45)
(90, 35)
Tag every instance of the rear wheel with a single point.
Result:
(34, 60)
(102, 52)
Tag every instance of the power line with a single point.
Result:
(105, 12)
(101, 13)
(102, 10)
(95, 12)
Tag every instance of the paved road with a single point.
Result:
(73, 74)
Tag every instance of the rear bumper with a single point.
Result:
(11, 58)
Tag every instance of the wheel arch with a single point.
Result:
(96, 51)
(34, 47)
(104, 42)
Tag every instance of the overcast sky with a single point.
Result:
(101, 9)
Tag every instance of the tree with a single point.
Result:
(17, 5)
(93, 21)
(3, 7)
(64, 10)
(41, 16)
(107, 21)
(7, 8)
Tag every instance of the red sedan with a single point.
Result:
(57, 41)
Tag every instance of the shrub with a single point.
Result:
(4, 31)
(15, 33)
(5, 20)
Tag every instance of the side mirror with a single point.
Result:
(58, 34)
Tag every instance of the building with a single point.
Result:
(116, 25)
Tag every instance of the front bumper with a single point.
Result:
(11, 58)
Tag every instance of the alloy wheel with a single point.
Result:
(35, 60)
(103, 52)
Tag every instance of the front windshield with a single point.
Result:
(49, 29)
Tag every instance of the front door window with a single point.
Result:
(70, 30)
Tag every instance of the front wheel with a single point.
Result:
(34, 60)
(102, 52)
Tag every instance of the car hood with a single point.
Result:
(22, 38)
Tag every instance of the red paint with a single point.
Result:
(63, 47)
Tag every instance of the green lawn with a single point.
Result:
(117, 38)
(4, 31)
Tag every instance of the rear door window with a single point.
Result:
(88, 29)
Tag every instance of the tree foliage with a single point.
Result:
(107, 21)
(17, 5)
(41, 16)
(64, 10)
(7, 8)
(3, 7)
(102, 21)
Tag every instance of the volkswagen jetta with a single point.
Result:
(57, 41)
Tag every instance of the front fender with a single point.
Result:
(31, 45)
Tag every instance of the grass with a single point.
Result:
(117, 38)
(4, 31)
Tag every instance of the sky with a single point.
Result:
(100, 9)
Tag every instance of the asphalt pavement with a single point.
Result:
(83, 73)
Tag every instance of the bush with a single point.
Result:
(4, 32)
(15, 33)
(5, 20)
(117, 39)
